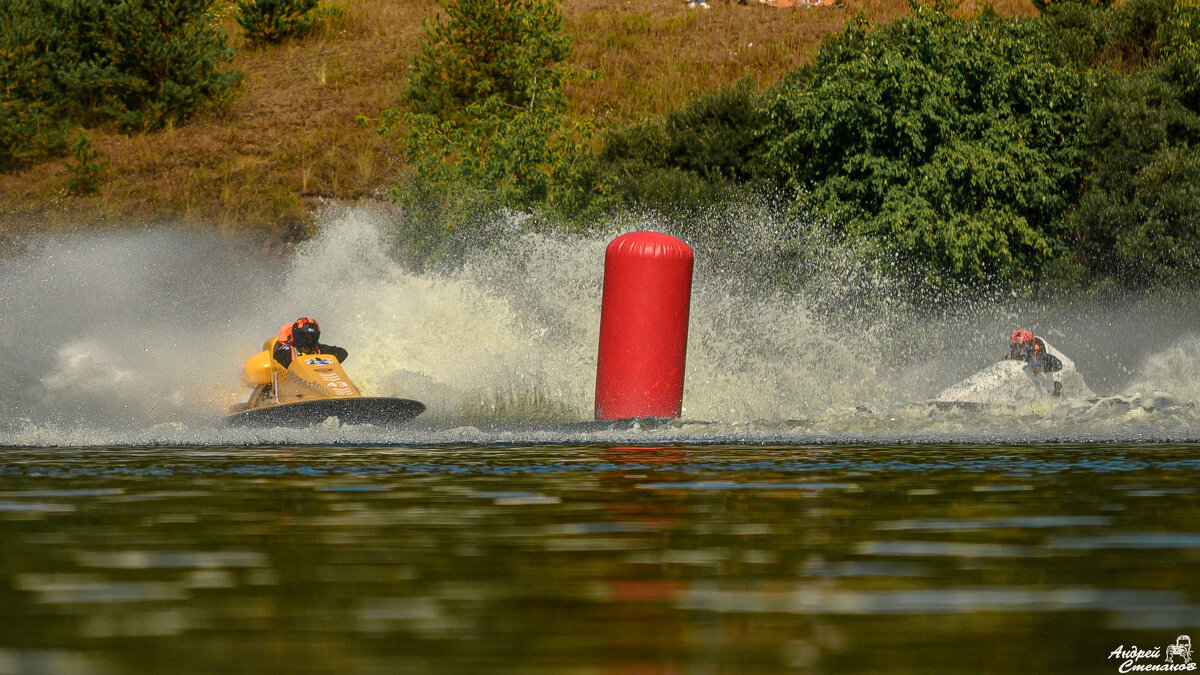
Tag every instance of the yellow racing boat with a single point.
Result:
(313, 388)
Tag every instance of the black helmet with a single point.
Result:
(306, 335)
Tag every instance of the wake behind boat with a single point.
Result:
(313, 388)
(1011, 382)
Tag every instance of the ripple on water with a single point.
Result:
(1016, 522)
(812, 600)
(103, 492)
(51, 661)
(170, 559)
(922, 549)
(35, 507)
(862, 569)
(1159, 492)
(1130, 540)
(91, 591)
(750, 485)
(152, 623)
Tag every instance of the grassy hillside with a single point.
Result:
(290, 141)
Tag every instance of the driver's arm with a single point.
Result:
(282, 354)
(336, 352)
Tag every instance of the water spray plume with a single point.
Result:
(139, 336)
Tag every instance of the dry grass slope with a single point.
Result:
(290, 141)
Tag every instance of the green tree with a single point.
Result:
(484, 104)
(31, 108)
(88, 170)
(275, 20)
(142, 64)
(1138, 223)
(1179, 40)
(950, 143)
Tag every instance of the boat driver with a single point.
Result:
(303, 336)
(1027, 347)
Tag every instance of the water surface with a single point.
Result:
(596, 558)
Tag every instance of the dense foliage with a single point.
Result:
(484, 106)
(275, 20)
(694, 156)
(1138, 222)
(31, 119)
(952, 143)
(141, 64)
(1050, 5)
(975, 152)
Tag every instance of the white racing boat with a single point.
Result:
(1010, 382)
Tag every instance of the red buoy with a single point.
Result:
(643, 327)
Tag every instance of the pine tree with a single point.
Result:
(275, 20)
(484, 104)
(31, 108)
(509, 51)
(142, 64)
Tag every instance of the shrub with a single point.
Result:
(1179, 40)
(31, 108)
(952, 143)
(1129, 34)
(1139, 221)
(86, 174)
(1135, 223)
(29, 131)
(715, 135)
(484, 104)
(276, 20)
(1143, 233)
(693, 156)
(1045, 6)
(142, 64)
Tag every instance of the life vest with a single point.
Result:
(1026, 346)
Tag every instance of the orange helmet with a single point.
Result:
(1021, 336)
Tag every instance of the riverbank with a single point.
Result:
(301, 132)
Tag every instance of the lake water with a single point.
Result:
(655, 558)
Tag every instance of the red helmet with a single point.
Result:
(1021, 336)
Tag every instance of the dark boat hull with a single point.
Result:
(379, 411)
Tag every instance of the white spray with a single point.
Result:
(140, 335)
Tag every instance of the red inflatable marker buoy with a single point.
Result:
(643, 327)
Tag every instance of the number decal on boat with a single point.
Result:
(335, 383)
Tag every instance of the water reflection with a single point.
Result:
(933, 601)
(615, 559)
(963, 524)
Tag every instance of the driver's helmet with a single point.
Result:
(306, 334)
(303, 333)
(1021, 336)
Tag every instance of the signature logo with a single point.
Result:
(1174, 658)
(318, 361)
(1181, 648)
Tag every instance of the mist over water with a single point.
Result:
(139, 336)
